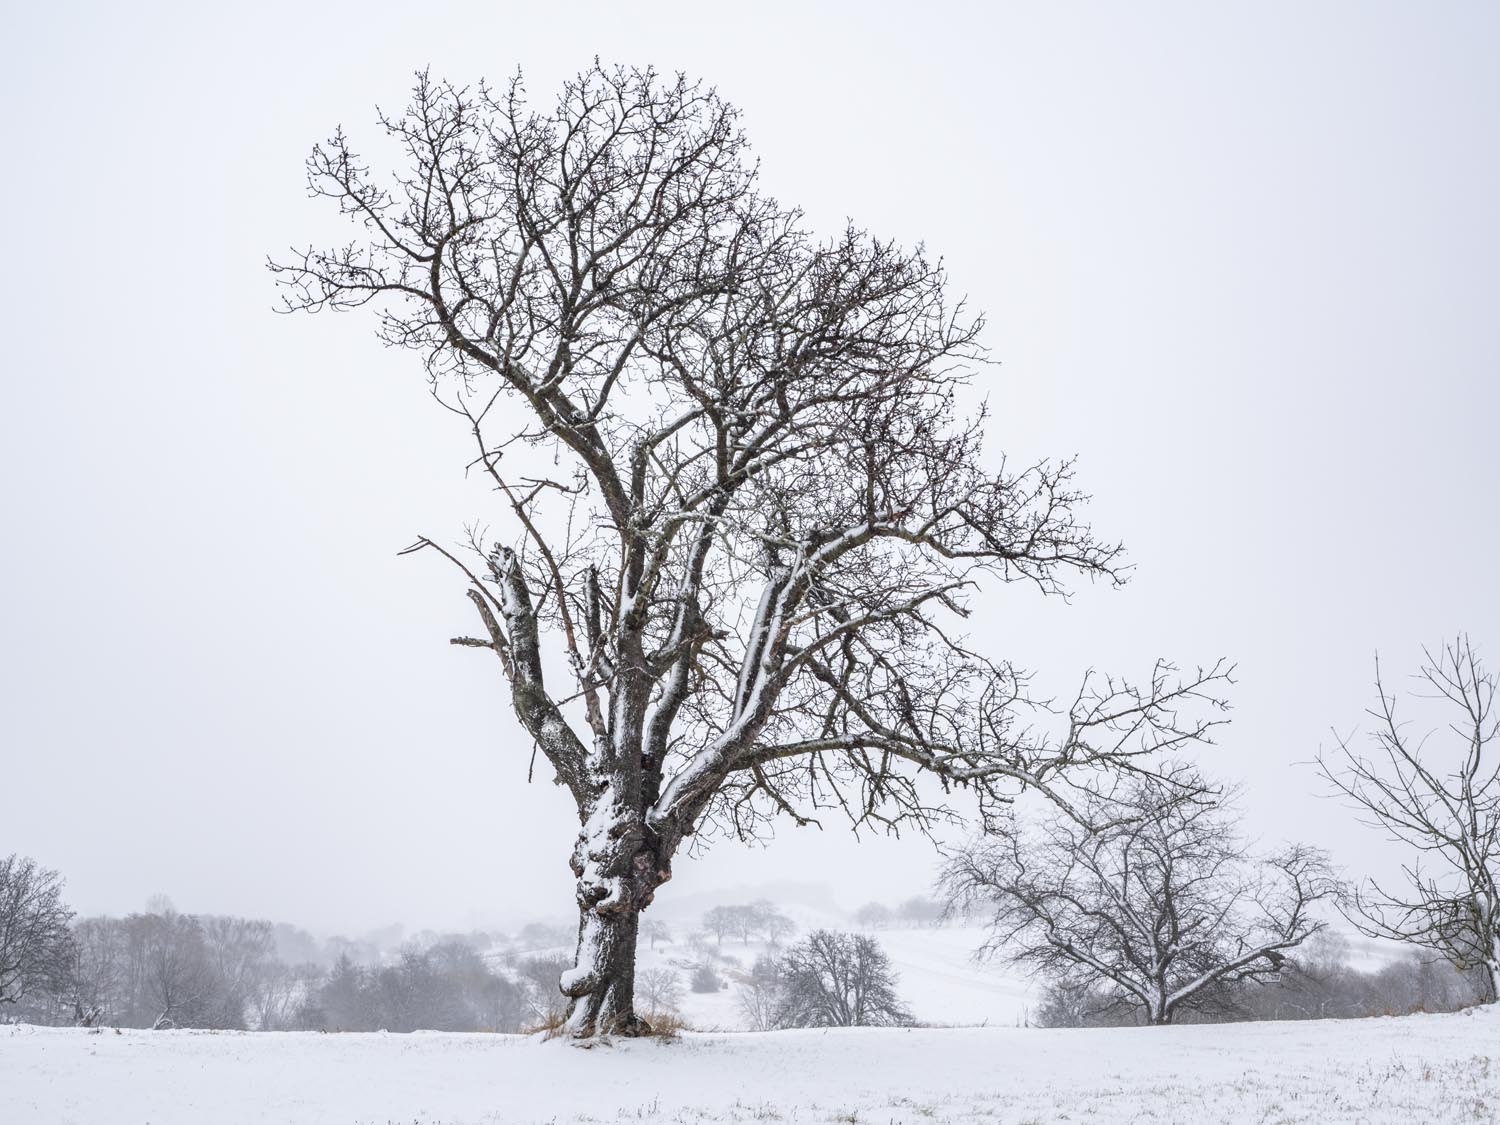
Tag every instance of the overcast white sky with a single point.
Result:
(1241, 258)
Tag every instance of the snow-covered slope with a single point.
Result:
(1406, 1071)
(943, 983)
(938, 979)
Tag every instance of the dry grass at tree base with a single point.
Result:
(664, 1026)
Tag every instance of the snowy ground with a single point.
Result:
(1413, 1070)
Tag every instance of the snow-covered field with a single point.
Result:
(1412, 1071)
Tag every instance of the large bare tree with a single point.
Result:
(1147, 897)
(746, 501)
(1442, 802)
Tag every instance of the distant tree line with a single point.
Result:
(1320, 984)
(915, 913)
(760, 920)
(448, 987)
(164, 969)
(161, 969)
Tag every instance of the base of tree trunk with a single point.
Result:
(1490, 982)
(601, 983)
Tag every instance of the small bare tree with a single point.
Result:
(36, 946)
(746, 503)
(239, 952)
(660, 990)
(837, 980)
(722, 921)
(100, 971)
(172, 974)
(758, 997)
(1443, 805)
(539, 977)
(919, 911)
(1148, 892)
(655, 930)
(746, 921)
(770, 923)
(277, 992)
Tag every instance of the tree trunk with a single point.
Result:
(1489, 976)
(602, 982)
(1158, 1011)
(619, 863)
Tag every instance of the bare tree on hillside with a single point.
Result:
(655, 930)
(278, 993)
(100, 971)
(721, 921)
(770, 923)
(1443, 805)
(1155, 898)
(240, 951)
(747, 921)
(1311, 987)
(745, 504)
(172, 977)
(920, 910)
(758, 997)
(660, 990)
(539, 976)
(837, 980)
